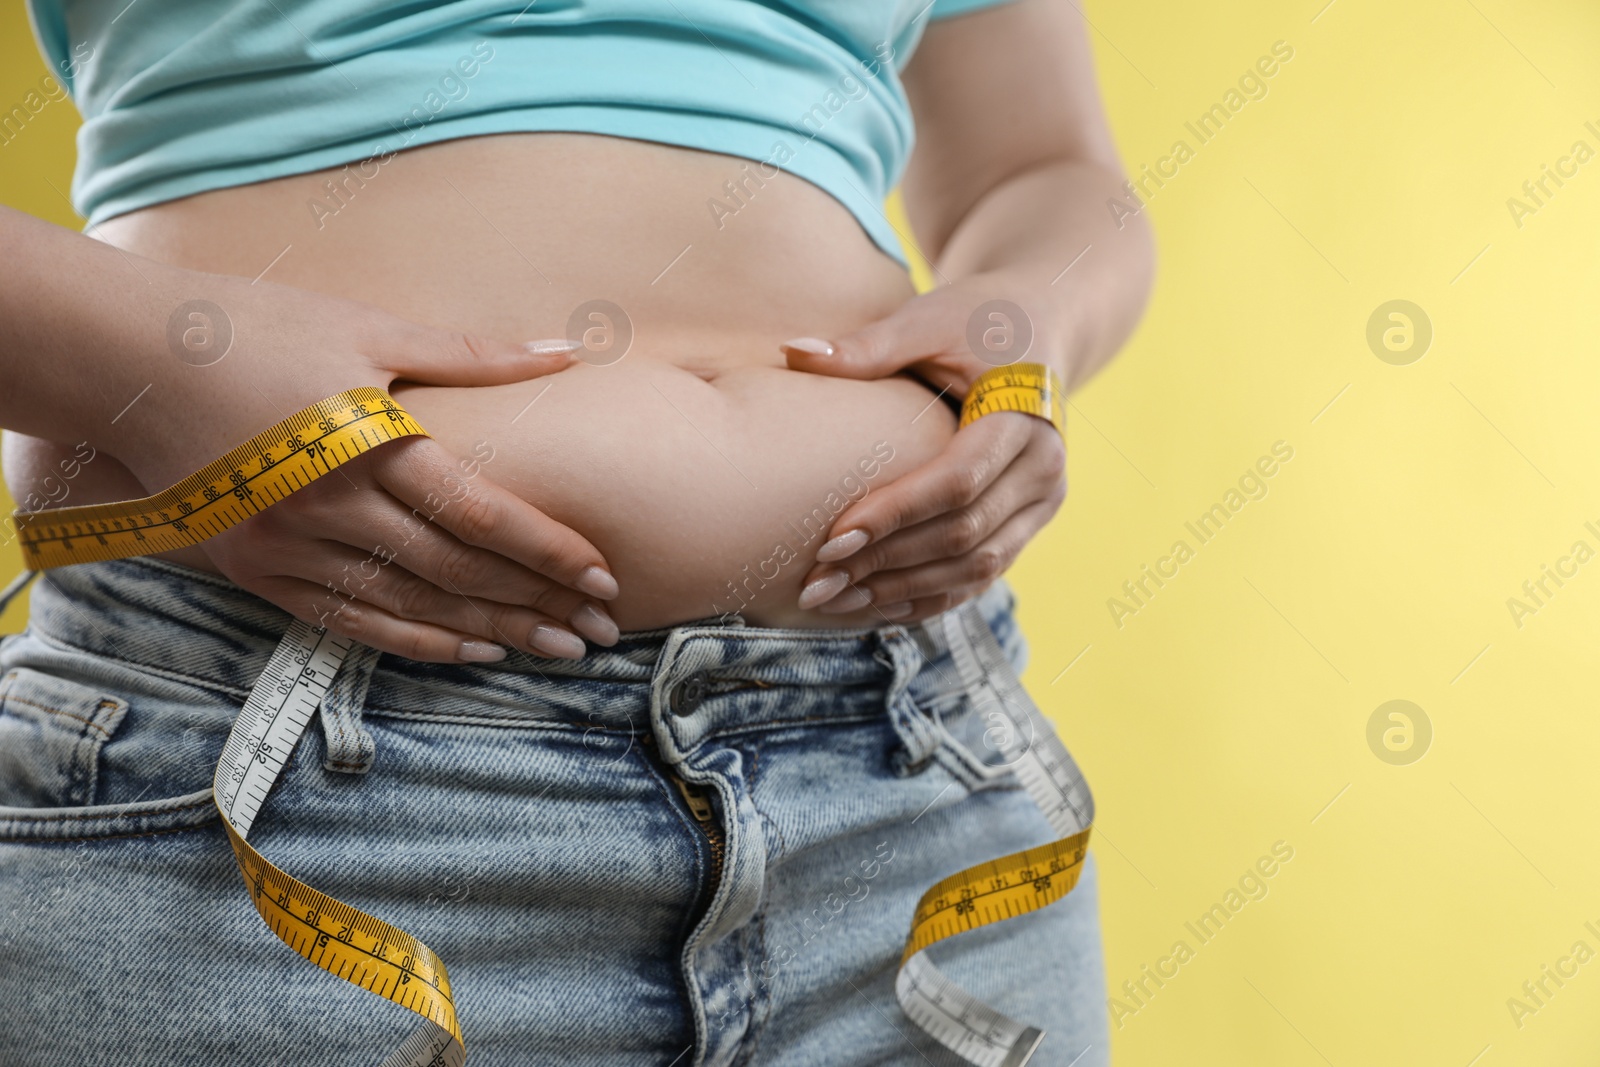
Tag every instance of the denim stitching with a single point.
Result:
(760, 997)
(349, 747)
(538, 725)
(107, 815)
(89, 723)
(108, 837)
(144, 668)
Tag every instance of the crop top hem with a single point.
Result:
(814, 160)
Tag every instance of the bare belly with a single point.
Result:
(704, 471)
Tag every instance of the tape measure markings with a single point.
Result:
(314, 661)
(250, 478)
(176, 497)
(383, 959)
(297, 931)
(1027, 388)
(955, 1018)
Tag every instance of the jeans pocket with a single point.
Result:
(53, 732)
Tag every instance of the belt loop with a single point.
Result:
(919, 736)
(349, 744)
(989, 729)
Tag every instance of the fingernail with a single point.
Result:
(480, 652)
(846, 544)
(595, 624)
(853, 599)
(596, 582)
(807, 346)
(823, 590)
(896, 611)
(556, 642)
(553, 346)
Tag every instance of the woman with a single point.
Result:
(725, 434)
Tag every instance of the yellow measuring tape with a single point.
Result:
(1031, 388)
(389, 962)
(1011, 885)
(254, 476)
(340, 939)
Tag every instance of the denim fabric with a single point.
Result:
(522, 819)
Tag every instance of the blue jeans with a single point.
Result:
(526, 820)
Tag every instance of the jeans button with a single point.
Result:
(687, 694)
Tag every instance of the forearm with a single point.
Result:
(1081, 273)
(160, 367)
(79, 330)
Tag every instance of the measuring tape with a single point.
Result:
(254, 476)
(342, 940)
(391, 963)
(1031, 388)
(1011, 885)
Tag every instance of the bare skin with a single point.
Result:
(683, 460)
(686, 468)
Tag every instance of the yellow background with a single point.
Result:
(1232, 709)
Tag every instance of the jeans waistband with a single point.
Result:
(169, 619)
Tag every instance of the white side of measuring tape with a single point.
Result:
(275, 716)
(273, 719)
(951, 1015)
(429, 1046)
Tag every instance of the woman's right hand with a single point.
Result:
(413, 551)
(165, 369)
(407, 548)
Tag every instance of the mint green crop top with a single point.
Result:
(181, 97)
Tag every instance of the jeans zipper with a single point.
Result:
(700, 807)
(705, 816)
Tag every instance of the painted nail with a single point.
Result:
(807, 346)
(896, 611)
(823, 590)
(554, 346)
(853, 599)
(595, 624)
(597, 583)
(556, 642)
(846, 544)
(480, 652)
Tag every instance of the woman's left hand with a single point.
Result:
(939, 535)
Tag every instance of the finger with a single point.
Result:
(955, 533)
(414, 541)
(377, 521)
(443, 357)
(921, 327)
(481, 513)
(978, 567)
(974, 458)
(409, 597)
(538, 631)
(373, 626)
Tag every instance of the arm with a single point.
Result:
(1008, 187)
(91, 351)
(1012, 174)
